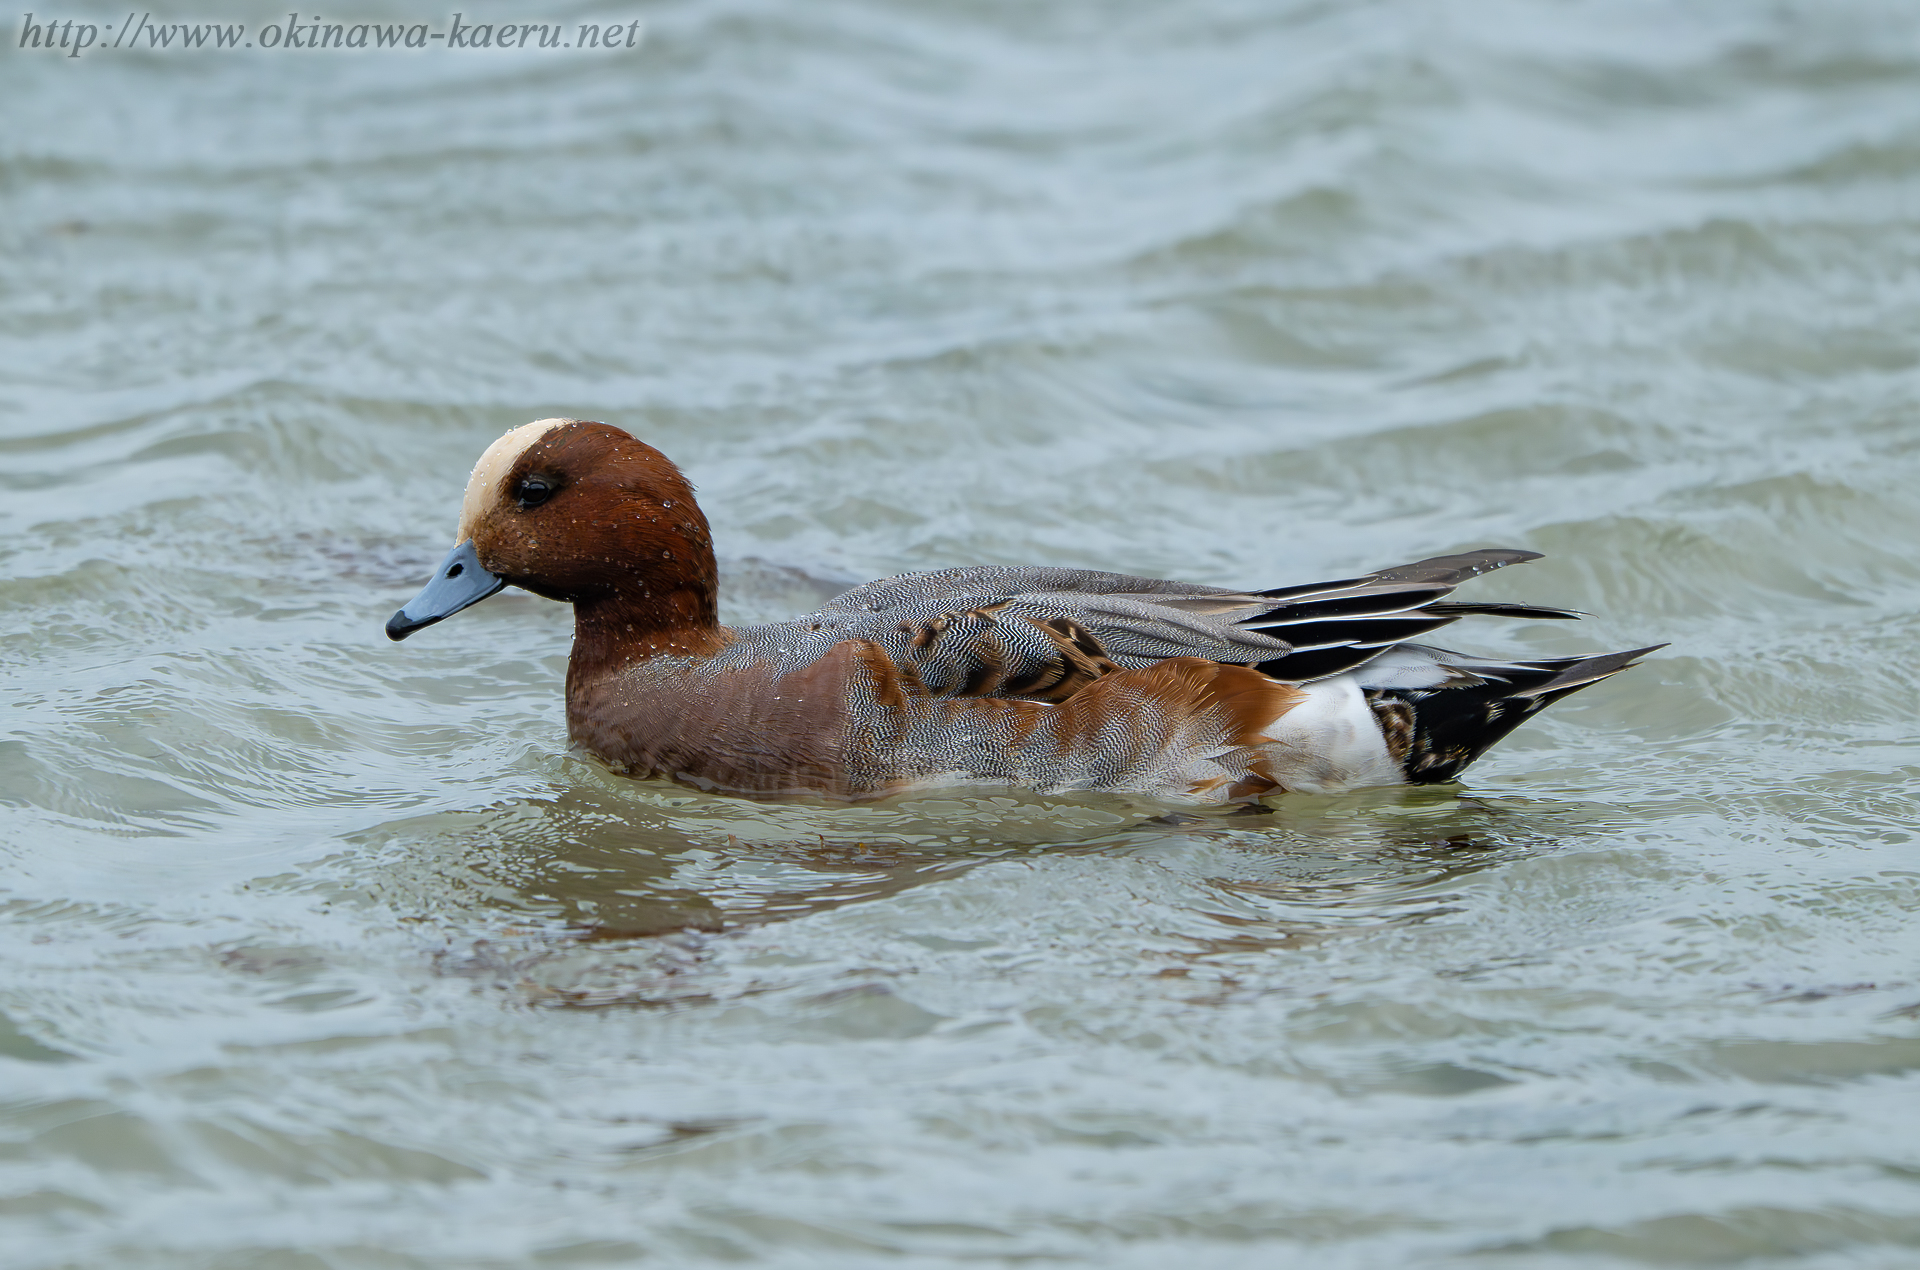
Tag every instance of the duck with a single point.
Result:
(1041, 678)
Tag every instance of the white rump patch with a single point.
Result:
(1330, 742)
(484, 485)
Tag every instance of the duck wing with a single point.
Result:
(1045, 633)
(1335, 626)
(1040, 633)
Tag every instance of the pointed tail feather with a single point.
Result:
(1435, 732)
(1578, 672)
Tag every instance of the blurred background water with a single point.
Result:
(323, 952)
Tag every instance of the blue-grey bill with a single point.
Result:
(458, 583)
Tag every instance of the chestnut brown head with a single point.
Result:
(580, 512)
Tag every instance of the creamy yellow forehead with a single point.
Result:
(484, 485)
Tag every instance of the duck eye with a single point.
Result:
(532, 491)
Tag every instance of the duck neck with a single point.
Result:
(623, 628)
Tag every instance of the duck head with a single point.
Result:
(581, 512)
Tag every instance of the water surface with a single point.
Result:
(324, 952)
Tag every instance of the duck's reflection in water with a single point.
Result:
(609, 862)
(1314, 869)
(612, 864)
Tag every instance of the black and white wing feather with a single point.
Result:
(1044, 633)
(1336, 626)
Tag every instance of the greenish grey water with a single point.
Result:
(319, 951)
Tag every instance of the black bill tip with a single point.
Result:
(460, 581)
(399, 626)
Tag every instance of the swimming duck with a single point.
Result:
(1050, 679)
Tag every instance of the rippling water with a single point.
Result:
(320, 951)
